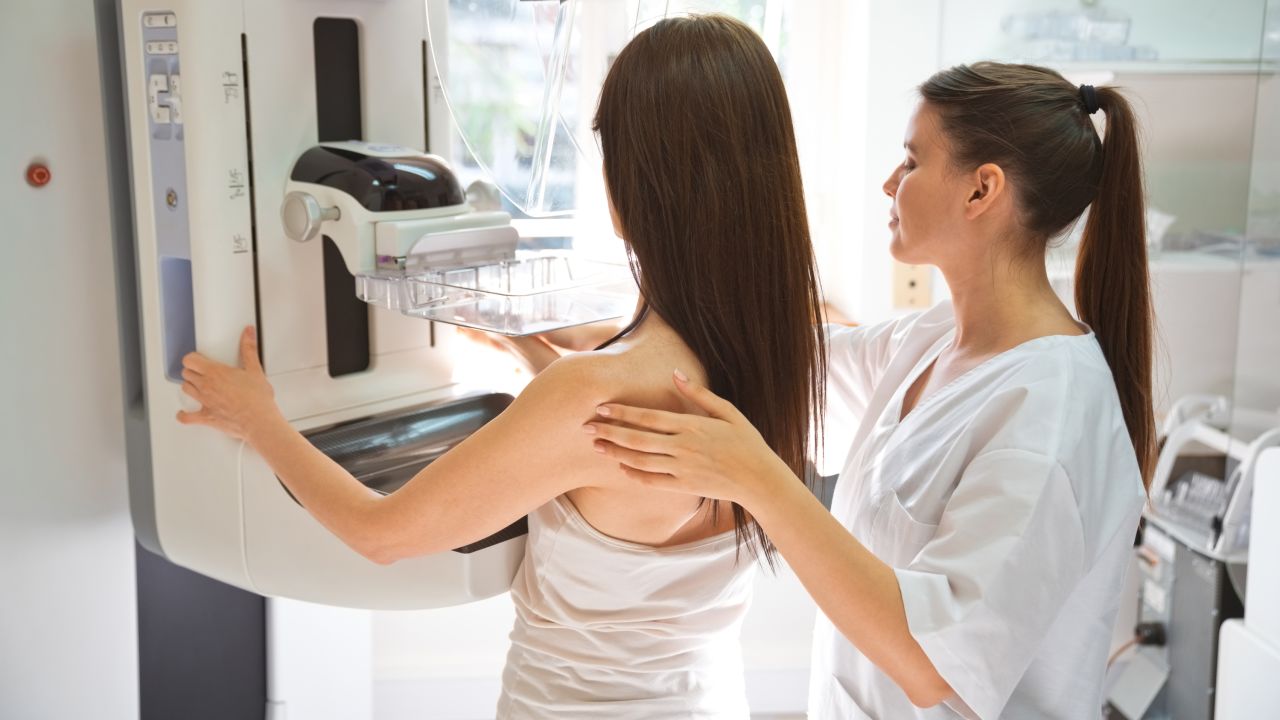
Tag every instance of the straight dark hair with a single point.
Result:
(701, 165)
(1036, 126)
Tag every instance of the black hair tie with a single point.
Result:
(1089, 96)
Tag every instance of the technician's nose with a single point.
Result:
(890, 186)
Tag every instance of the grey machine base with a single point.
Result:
(202, 645)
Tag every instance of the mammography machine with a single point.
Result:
(280, 180)
(1194, 558)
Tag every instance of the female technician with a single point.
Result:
(971, 562)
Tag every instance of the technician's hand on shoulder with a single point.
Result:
(722, 457)
(235, 400)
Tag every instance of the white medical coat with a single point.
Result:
(1007, 503)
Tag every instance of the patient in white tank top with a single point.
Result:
(629, 600)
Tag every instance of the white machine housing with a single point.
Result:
(221, 104)
(1212, 422)
(1249, 649)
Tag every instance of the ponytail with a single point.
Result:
(1037, 126)
(1112, 286)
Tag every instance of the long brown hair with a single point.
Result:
(701, 165)
(1035, 125)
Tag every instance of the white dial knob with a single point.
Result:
(484, 196)
(302, 216)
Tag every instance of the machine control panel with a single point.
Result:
(164, 84)
(166, 135)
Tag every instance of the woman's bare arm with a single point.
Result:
(518, 461)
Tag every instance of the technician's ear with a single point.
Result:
(988, 188)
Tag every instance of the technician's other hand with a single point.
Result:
(234, 400)
(722, 457)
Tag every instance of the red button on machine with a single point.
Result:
(38, 175)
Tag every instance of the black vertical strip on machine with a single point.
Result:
(338, 107)
(338, 113)
(253, 198)
(346, 316)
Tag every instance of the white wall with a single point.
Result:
(851, 80)
(827, 70)
(67, 616)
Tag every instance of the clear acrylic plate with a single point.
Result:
(528, 293)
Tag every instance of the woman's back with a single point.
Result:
(637, 368)
(629, 600)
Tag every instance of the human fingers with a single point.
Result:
(657, 481)
(192, 391)
(660, 420)
(192, 377)
(714, 405)
(629, 438)
(648, 462)
(208, 419)
(197, 362)
(200, 417)
(249, 349)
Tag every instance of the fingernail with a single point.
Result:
(589, 429)
(681, 376)
(599, 446)
(602, 410)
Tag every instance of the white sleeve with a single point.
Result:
(982, 595)
(856, 356)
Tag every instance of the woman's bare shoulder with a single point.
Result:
(638, 376)
(583, 372)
